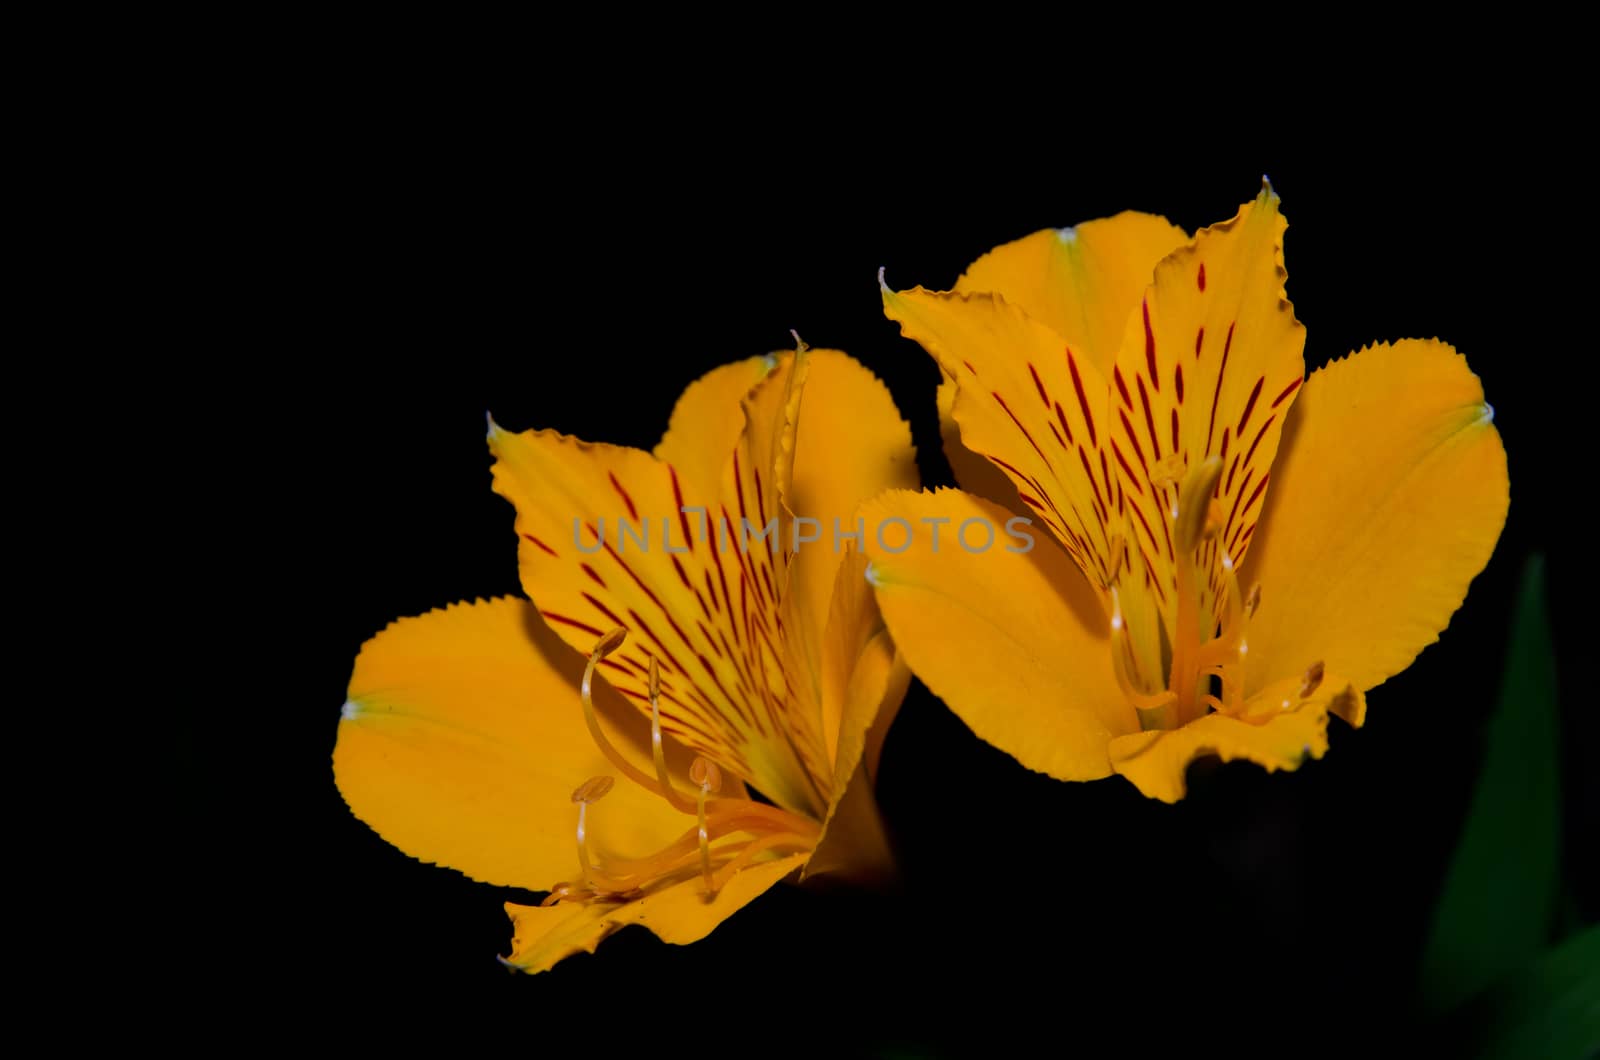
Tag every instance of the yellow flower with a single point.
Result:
(477, 737)
(1134, 391)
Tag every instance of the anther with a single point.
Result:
(1312, 678)
(592, 790)
(1194, 502)
(611, 642)
(706, 775)
(1252, 601)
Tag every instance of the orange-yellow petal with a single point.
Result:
(463, 739)
(1030, 404)
(1082, 282)
(1388, 497)
(1208, 366)
(683, 588)
(679, 913)
(850, 445)
(1279, 730)
(706, 421)
(864, 682)
(974, 473)
(1016, 643)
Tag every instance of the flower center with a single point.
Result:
(728, 833)
(1196, 658)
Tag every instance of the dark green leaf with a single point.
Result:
(1547, 1011)
(1498, 905)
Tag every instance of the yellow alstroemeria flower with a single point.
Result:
(1134, 390)
(477, 736)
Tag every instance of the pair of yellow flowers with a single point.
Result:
(746, 604)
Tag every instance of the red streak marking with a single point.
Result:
(1083, 401)
(1291, 388)
(1215, 394)
(738, 486)
(1149, 420)
(644, 627)
(1231, 469)
(637, 580)
(1237, 497)
(541, 544)
(683, 575)
(1175, 429)
(711, 590)
(1105, 473)
(761, 497)
(1166, 533)
(1039, 384)
(590, 571)
(1094, 484)
(1150, 347)
(604, 610)
(1202, 276)
(1062, 442)
(971, 369)
(1122, 387)
(1257, 492)
(1148, 532)
(1031, 501)
(551, 616)
(1249, 406)
(1199, 338)
(1126, 469)
(1137, 451)
(633, 513)
(1062, 418)
(683, 516)
(1226, 434)
(996, 395)
(1259, 433)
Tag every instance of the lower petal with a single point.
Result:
(1278, 729)
(1010, 634)
(679, 913)
(462, 740)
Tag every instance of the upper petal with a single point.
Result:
(1083, 282)
(1208, 366)
(463, 740)
(1015, 643)
(679, 913)
(1026, 401)
(1388, 497)
(705, 426)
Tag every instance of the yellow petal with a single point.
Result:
(864, 682)
(680, 914)
(1209, 365)
(1388, 498)
(1082, 282)
(463, 740)
(851, 444)
(1015, 643)
(695, 600)
(706, 422)
(1028, 403)
(973, 473)
(1280, 730)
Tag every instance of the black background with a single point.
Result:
(422, 258)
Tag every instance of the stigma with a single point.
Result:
(728, 833)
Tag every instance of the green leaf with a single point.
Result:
(1498, 906)
(1548, 1011)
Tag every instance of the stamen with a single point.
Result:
(1153, 710)
(656, 751)
(592, 790)
(1312, 678)
(708, 778)
(1194, 503)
